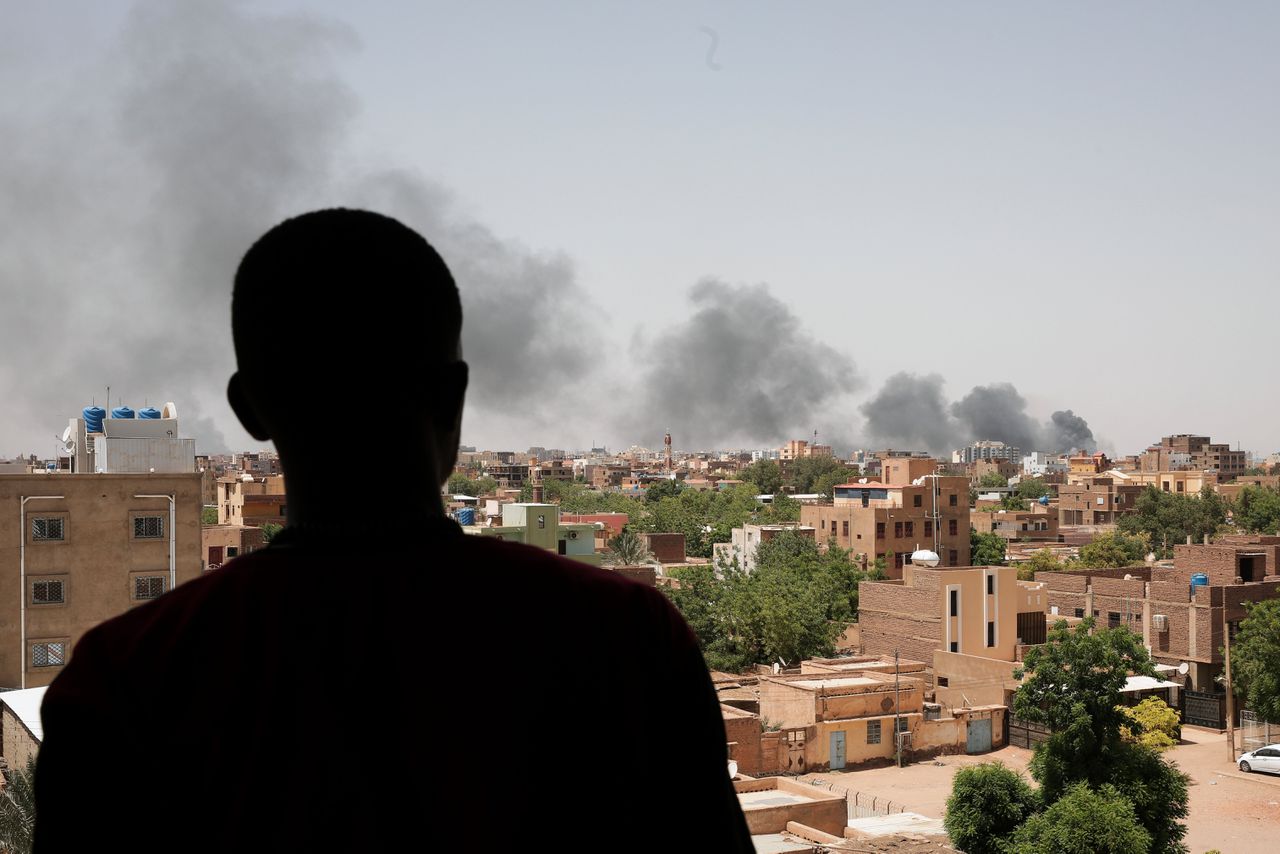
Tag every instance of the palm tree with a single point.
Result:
(18, 809)
(628, 549)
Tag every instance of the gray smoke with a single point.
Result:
(910, 412)
(997, 412)
(127, 200)
(1067, 431)
(740, 370)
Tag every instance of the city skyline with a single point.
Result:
(751, 241)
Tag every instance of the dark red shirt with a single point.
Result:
(455, 692)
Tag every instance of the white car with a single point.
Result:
(1263, 759)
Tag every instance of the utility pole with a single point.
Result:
(1231, 729)
(897, 710)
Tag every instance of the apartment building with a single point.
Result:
(77, 549)
(253, 501)
(915, 509)
(539, 525)
(986, 450)
(1018, 524)
(970, 624)
(1182, 482)
(1095, 500)
(1187, 451)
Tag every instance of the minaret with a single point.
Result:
(535, 477)
(666, 440)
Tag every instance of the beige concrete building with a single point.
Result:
(874, 518)
(248, 500)
(221, 543)
(76, 549)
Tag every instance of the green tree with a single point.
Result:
(270, 530)
(804, 474)
(765, 474)
(660, 489)
(1255, 658)
(783, 508)
(826, 483)
(1072, 685)
(1042, 561)
(18, 809)
(460, 484)
(986, 549)
(1084, 821)
(208, 515)
(1257, 509)
(1113, 550)
(993, 480)
(988, 803)
(628, 549)
(1015, 503)
(1168, 518)
(1032, 488)
(1156, 725)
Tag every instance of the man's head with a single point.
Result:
(347, 322)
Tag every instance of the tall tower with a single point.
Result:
(666, 440)
(535, 478)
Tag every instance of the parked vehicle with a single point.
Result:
(1263, 759)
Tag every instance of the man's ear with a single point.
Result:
(239, 401)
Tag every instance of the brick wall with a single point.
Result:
(666, 547)
(1218, 562)
(892, 616)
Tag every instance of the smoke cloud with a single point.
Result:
(127, 202)
(741, 370)
(910, 412)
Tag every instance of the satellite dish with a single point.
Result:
(68, 443)
(733, 768)
(1183, 668)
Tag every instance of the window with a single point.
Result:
(928, 527)
(1182, 486)
(148, 527)
(951, 527)
(991, 632)
(48, 654)
(955, 602)
(911, 529)
(542, 521)
(148, 586)
(232, 551)
(1079, 612)
(951, 499)
(833, 527)
(873, 732)
(954, 557)
(955, 646)
(47, 528)
(917, 500)
(47, 592)
(991, 584)
(897, 530)
(845, 528)
(900, 560)
(1113, 619)
(942, 682)
(879, 530)
(903, 724)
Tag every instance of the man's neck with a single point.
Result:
(333, 499)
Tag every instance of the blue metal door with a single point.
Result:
(979, 736)
(837, 750)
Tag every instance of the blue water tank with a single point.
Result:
(1044, 500)
(149, 412)
(467, 516)
(122, 412)
(1198, 580)
(93, 416)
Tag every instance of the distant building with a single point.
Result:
(913, 510)
(1097, 500)
(246, 500)
(1039, 464)
(800, 448)
(986, 450)
(746, 540)
(539, 525)
(1185, 451)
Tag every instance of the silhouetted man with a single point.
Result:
(375, 679)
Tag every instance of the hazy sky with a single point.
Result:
(1079, 199)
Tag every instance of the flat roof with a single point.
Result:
(26, 705)
(770, 798)
(835, 682)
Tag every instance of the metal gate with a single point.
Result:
(1026, 734)
(1256, 733)
(979, 736)
(1201, 708)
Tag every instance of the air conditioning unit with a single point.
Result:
(1160, 622)
(573, 535)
